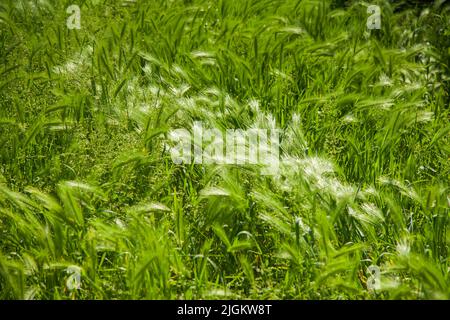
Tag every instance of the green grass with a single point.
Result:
(86, 180)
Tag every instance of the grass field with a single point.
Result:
(93, 207)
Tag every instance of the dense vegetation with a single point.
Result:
(87, 183)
